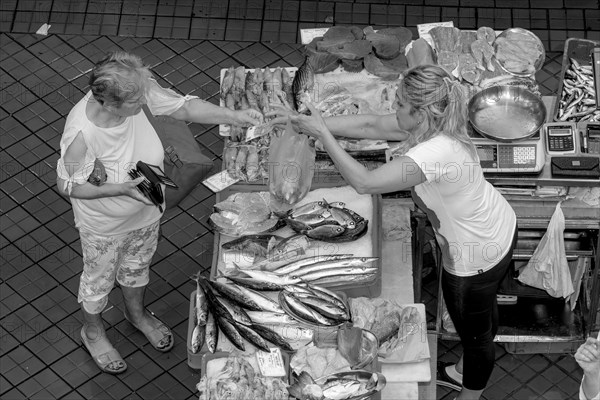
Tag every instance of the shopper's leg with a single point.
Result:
(97, 343)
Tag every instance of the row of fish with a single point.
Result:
(317, 306)
(331, 222)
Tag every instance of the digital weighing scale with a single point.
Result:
(526, 156)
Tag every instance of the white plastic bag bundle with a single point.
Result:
(548, 268)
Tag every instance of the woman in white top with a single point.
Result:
(119, 226)
(474, 225)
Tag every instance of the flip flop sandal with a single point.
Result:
(103, 358)
(443, 379)
(156, 335)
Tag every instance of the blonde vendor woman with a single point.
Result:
(118, 226)
(474, 225)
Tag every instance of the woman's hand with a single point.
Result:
(249, 117)
(280, 114)
(588, 356)
(130, 189)
(313, 125)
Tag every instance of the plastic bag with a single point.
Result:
(548, 268)
(291, 168)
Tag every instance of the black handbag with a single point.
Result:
(185, 164)
(577, 167)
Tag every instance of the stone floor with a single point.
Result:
(186, 43)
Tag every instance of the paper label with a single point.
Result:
(271, 364)
(425, 28)
(307, 35)
(219, 181)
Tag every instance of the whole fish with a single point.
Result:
(239, 84)
(270, 318)
(254, 338)
(299, 289)
(272, 337)
(247, 298)
(270, 277)
(308, 208)
(303, 311)
(293, 332)
(303, 85)
(341, 217)
(343, 280)
(211, 333)
(286, 81)
(219, 308)
(307, 261)
(250, 242)
(324, 232)
(238, 314)
(333, 264)
(340, 388)
(227, 82)
(325, 307)
(327, 294)
(309, 219)
(336, 204)
(290, 243)
(198, 336)
(339, 272)
(201, 306)
(231, 332)
(255, 283)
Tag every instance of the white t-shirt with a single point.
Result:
(118, 148)
(473, 223)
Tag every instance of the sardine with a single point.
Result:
(303, 85)
(272, 337)
(324, 232)
(270, 318)
(247, 298)
(255, 283)
(198, 336)
(308, 261)
(201, 305)
(231, 332)
(325, 307)
(254, 338)
(303, 311)
(328, 295)
(212, 333)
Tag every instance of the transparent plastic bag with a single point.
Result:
(548, 268)
(291, 167)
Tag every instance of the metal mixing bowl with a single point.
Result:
(506, 113)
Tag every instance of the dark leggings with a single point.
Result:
(472, 305)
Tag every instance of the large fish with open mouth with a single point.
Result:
(303, 85)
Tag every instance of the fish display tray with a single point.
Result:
(578, 49)
(370, 289)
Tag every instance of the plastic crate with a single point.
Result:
(369, 289)
(580, 50)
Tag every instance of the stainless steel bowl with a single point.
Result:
(506, 113)
(517, 34)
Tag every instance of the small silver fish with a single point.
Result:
(304, 311)
(340, 389)
(198, 336)
(324, 232)
(211, 333)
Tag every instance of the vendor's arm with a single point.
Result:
(399, 174)
(588, 358)
(362, 126)
(74, 159)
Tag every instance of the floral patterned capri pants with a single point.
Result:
(125, 258)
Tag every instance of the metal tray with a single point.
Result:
(537, 64)
(579, 49)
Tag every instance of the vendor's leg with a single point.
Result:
(133, 275)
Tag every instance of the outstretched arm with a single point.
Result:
(204, 112)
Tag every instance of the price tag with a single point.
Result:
(271, 364)
(425, 28)
(219, 181)
(307, 35)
